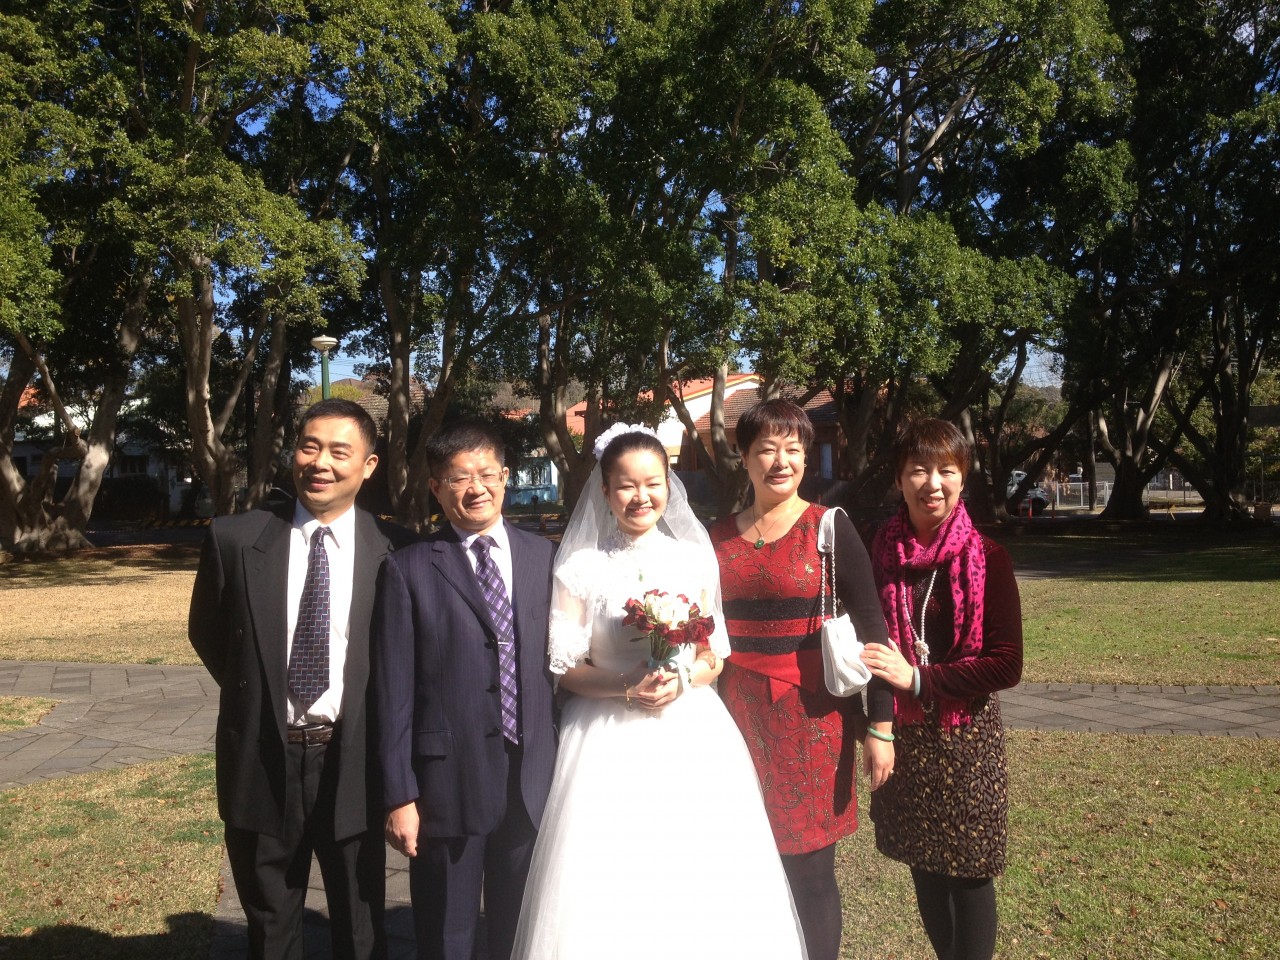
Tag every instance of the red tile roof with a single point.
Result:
(690, 390)
(821, 408)
(30, 398)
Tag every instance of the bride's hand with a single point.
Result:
(657, 689)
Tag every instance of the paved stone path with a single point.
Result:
(108, 715)
(112, 714)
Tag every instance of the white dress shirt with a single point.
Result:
(340, 546)
(500, 551)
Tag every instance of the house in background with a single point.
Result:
(697, 398)
(742, 390)
(824, 456)
(139, 482)
(535, 478)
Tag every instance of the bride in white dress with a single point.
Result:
(655, 839)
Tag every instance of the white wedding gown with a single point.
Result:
(655, 840)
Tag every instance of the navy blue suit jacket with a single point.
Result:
(435, 680)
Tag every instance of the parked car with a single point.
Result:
(1036, 498)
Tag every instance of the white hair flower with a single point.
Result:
(617, 430)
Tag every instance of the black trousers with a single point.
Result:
(449, 875)
(271, 873)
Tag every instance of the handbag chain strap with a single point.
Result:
(827, 583)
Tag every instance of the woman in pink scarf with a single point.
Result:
(955, 637)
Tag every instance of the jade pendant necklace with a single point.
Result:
(761, 534)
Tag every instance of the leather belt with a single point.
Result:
(311, 736)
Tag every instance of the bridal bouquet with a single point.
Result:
(668, 621)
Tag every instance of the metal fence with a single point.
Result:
(1157, 493)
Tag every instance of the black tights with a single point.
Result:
(812, 877)
(959, 915)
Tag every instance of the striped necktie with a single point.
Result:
(495, 596)
(309, 657)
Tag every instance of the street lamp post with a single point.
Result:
(324, 345)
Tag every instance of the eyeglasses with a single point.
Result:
(489, 480)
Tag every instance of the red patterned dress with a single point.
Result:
(801, 738)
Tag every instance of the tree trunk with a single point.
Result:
(399, 409)
(573, 464)
(78, 501)
(731, 474)
(1125, 502)
(31, 523)
(982, 506)
(856, 412)
(270, 420)
(12, 484)
(196, 331)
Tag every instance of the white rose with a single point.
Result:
(666, 609)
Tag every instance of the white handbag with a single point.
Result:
(843, 668)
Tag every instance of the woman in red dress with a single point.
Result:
(801, 737)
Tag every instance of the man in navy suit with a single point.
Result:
(277, 587)
(466, 739)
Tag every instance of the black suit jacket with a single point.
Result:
(238, 625)
(436, 685)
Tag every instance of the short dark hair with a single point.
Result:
(626, 443)
(932, 440)
(463, 437)
(335, 408)
(774, 418)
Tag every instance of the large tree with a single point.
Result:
(58, 300)
(1179, 288)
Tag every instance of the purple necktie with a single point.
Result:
(495, 595)
(309, 658)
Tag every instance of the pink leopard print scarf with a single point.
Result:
(957, 550)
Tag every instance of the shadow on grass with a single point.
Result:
(231, 939)
(188, 938)
(1155, 552)
(102, 567)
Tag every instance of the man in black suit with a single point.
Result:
(464, 702)
(280, 616)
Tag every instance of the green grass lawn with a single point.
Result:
(1120, 846)
(1151, 608)
(120, 864)
(19, 712)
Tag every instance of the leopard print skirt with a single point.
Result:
(946, 807)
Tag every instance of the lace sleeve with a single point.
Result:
(699, 562)
(712, 603)
(569, 636)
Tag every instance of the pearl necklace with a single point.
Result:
(918, 645)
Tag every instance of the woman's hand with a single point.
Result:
(656, 689)
(888, 663)
(877, 760)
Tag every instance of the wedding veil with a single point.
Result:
(593, 523)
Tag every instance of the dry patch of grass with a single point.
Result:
(19, 712)
(112, 605)
(1120, 847)
(123, 863)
